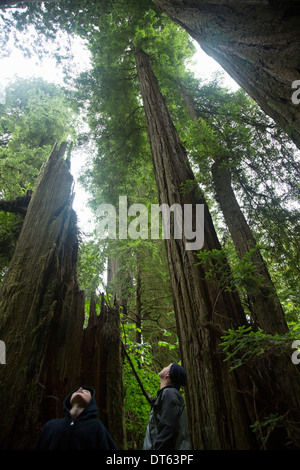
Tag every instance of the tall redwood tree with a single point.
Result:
(256, 42)
(222, 405)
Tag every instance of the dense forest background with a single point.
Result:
(234, 158)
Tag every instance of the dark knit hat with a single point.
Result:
(178, 375)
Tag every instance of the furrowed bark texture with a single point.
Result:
(257, 42)
(102, 367)
(281, 379)
(265, 305)
(221, 404)
(202, 310)
(41, 310)
(266, 310)
(48, 353)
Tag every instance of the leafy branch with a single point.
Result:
(245, 344)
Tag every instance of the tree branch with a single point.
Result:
(136, 375)
(18, 205)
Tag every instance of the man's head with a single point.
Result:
(80, 397)
(173, 373)
(178, 375)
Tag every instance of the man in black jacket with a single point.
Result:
(79, 429)
(167, 427)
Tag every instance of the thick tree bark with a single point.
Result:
(48, 353)
(102, 367)
(41, 310)
(257, 43)
(221, 404)
(266, 308)
(115, 288)
(202, 309)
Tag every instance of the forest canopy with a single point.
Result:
(235, 160)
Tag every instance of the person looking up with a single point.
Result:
(80, 429)
(167, 426)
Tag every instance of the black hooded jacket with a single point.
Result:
(86, 432)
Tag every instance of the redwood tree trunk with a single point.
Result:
(41, 310)
(266, 308)
(257, 42)
(117, 289)
(102, 367)
(221, 404)
(218, 415)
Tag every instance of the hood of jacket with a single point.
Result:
(167, 426)
(91, 409)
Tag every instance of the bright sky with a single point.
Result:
(17, 65)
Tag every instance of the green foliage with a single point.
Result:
(242, 275)
(166, 343)
(137, 408)
(274, 421)
(244, 344)
(35, 115)
(90, 266)
(227, 127)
